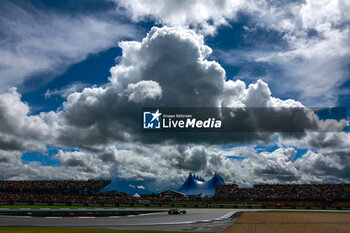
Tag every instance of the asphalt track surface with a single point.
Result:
(212, 220)
(126, 219)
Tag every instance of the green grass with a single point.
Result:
(70, 230)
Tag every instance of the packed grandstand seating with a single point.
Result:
(32, 198)
(53, 186)
(59, 192)
(69, 192)
(284, 192)
(88, 192)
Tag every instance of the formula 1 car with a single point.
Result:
(176, 211)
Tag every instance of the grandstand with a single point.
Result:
(54, 186)
(57, 192)
(284, 192)
(88, 193)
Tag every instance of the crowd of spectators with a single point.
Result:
(88, 192)
(62, 198)
(58, 192)
(53, 186)
(284, 192)
(103, 198)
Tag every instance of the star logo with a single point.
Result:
(152, 119)
(156, 115)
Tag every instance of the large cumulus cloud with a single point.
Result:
(169, 67)
(19, 129)
(312, 39)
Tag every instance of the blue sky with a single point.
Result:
(55, 50)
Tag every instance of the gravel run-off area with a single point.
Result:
(289, 222)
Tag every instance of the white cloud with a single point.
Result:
(204, 16)
(316, 66)
(182, 70)
(165, 164)
(316, 33)
(315, 58)
(19, 129)
(314, 14)
(325, 166)
(137, 186)
(74, 158)
(144, 90)
(12, 167)
(34, 41)
(324, 141)
(180, 75)
(65, 91)
(97, 119)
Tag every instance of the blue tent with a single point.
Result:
(197, 185)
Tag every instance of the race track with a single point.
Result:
(128, 219)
